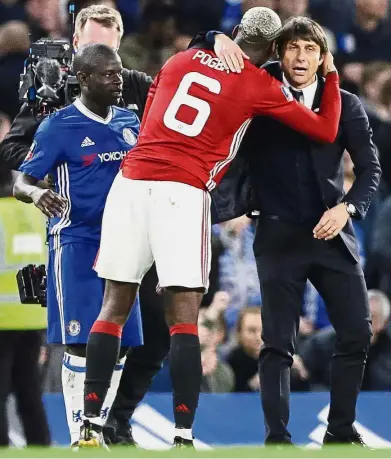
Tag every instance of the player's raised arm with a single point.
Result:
(276, 100)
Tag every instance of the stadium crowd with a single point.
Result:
(230, 325)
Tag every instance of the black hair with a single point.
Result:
(91, 56)
(301, 28)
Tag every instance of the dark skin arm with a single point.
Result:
(48, 202)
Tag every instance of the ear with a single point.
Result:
(235, 31)
(321, 60)
(83, 78)
(75, 42)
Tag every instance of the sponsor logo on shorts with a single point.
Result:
(73, 327)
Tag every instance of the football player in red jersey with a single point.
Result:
(158, 208)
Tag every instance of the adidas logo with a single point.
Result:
(87, 142)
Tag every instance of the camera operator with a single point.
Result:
(21, 326)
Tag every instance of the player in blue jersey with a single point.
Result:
(82, 146)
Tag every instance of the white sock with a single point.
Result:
(73, 375)
(111, 394)
(186, 434)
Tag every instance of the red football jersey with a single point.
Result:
(197, 114)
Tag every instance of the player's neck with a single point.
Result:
(98, 109)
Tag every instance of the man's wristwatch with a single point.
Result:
(351, 209)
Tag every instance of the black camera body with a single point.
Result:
(51, 49)
(46, 83)
(32, 285)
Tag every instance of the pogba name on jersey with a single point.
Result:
(210, 61)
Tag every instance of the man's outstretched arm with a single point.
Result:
(272, 98)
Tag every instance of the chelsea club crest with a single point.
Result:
(129, 136)
(73, 327)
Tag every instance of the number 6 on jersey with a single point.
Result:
(182, 97)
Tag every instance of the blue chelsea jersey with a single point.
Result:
(83, 152)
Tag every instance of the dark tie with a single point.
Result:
(298, 95)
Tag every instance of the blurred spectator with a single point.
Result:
(14, 45)
(238, 273)
(289, 8)
(366, 39)
(217, 376)
(149, 49)
(318, 350)
(46, 19)
(23, 235)
(382, 135)
(374, 78)
(244, 359)
(336, 15)
(381, 245)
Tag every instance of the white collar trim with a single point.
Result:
(308, 91)
(93, 116)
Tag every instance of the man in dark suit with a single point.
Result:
(304, 231)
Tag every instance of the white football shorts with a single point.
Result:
(166, 222)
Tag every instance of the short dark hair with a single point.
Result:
(243, 313)
(301, 28)
(89, 57)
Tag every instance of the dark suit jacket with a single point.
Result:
(236, 194)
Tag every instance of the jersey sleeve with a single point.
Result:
(45, 151)
(276, 101)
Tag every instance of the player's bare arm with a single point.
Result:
(48, 202)
(328, 64)
(230, 53)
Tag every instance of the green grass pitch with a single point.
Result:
(240, 452)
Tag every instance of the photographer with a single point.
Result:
(21, 326)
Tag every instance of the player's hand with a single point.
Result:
(230, 54)
(254, 383)
(328, 64)
(49, 202)
(299, 366)
(331, 223)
